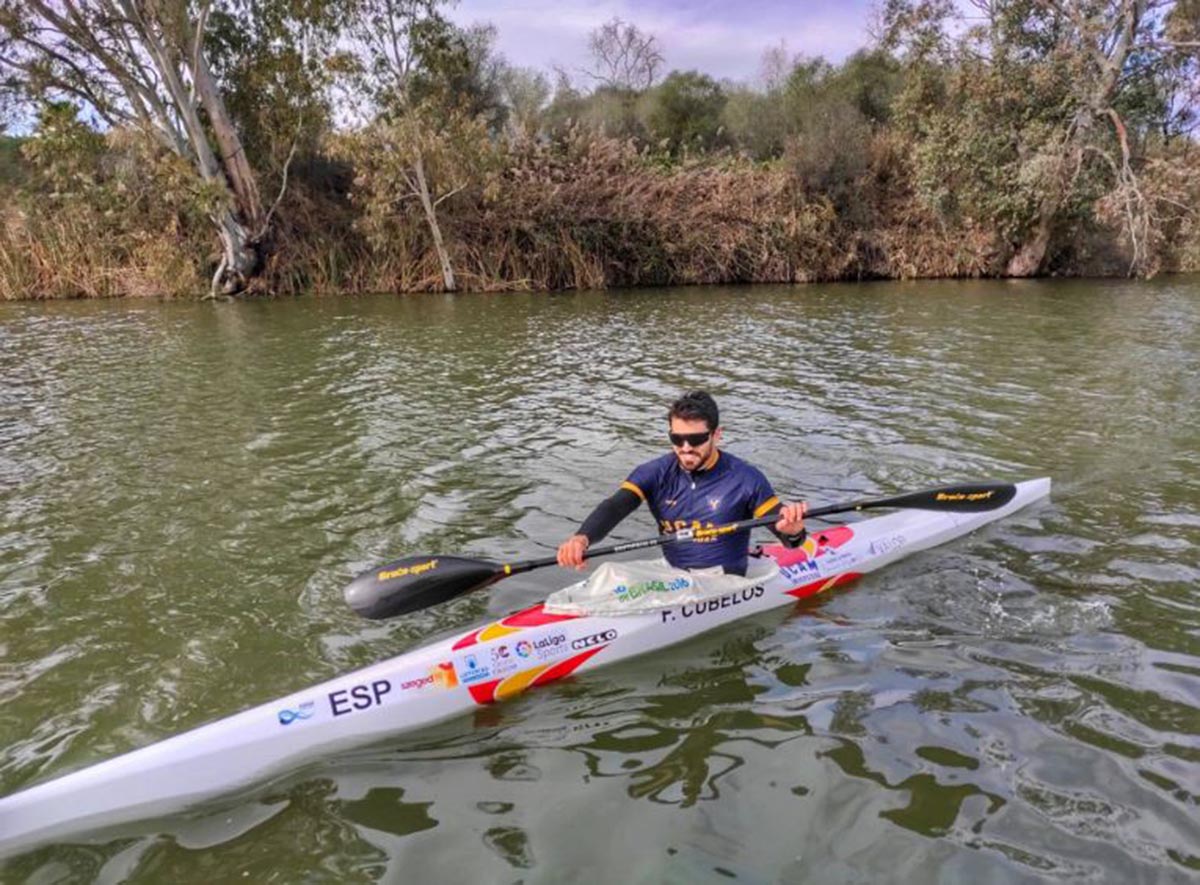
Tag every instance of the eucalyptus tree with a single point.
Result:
(433, 91)
(147, 64)
(1031, 115)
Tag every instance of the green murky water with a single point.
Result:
(184, 489)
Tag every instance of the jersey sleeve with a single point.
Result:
(608, 514)
(762, 498)
(644, 479)
(768, 502)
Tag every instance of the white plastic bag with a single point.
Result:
(621, 588)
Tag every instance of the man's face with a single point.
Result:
(692, 452)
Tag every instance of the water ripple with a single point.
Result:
(184, 489)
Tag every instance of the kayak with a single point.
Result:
(447, 678)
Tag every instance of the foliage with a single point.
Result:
(755, 122)
(1024, 122)
(271, 61)
(454, 155)
(683, 113)
(525, 92)
(397, 150)
(102, 215)
(12, 169)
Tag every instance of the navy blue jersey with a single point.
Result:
(729, 490)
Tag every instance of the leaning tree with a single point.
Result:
(148, 64)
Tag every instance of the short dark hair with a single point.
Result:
(696, 404)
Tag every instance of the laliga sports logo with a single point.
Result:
(406, 571)
(524, 649)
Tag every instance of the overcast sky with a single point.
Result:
(723, 38)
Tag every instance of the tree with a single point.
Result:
(685, 111)
(430, 83)
(146, 64)
(526, 93)
(623, 57)
(1028, 119)
(426, 156)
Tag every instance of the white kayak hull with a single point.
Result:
(448, 678)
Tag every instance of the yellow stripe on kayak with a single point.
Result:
(495, 631)
(518, 682)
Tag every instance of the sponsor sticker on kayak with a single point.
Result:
(628, 592)
(591, 641)
(289, 715)
(472, 667)
(800, 572)
(550, 646)
(886, 545)
(440, 675)
(496, 660)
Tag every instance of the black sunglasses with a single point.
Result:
(695, 440)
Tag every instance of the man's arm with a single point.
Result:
(600, 522)
(789, 528)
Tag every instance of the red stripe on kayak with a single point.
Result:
(564, 668)
(816, 587)
(470, 639)
(815, 545)
(536, 616)
(484, 692)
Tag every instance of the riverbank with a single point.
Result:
(114, 218)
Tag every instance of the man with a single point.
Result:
(694, 486)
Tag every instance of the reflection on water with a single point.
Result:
(184, 489)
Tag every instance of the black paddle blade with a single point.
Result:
(417, 582)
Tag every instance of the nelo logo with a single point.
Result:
(594, 640)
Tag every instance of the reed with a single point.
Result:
(581, 211)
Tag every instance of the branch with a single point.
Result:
(1169, 45)
(447, 196)
(262, 232)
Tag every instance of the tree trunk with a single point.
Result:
(236, 167)
(1027, 261)
(434, 229)
(241, 257)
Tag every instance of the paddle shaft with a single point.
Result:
(948, 498)
(416, 582)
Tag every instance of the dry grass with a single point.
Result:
(65, 256)
(586, 212)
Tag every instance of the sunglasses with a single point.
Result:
(695, 440)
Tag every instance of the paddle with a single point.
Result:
(416, 582)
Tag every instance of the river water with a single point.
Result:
(185, 489)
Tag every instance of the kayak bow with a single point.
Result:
(416, 689)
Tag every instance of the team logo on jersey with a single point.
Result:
(714, 503)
